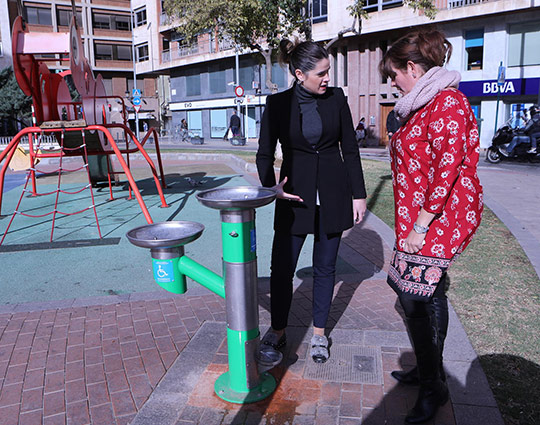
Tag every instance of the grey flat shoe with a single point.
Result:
(269, 354)
(319, 349)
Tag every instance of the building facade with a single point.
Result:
(487, 36)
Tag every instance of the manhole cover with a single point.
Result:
(347, 363)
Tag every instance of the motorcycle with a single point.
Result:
(502, 139)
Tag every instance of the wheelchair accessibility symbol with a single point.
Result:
(163, 271)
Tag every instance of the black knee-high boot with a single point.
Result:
(439, 307)
(433, 392)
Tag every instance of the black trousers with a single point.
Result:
(416, 309)
(285, 252)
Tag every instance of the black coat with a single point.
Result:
(332, 167)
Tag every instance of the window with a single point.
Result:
(120, 52)
(39, 15)
(63, 17)
(142, 52)
(378, 5)
(112, 22)
(140, 17)
(101, 21)
(122, 22)
(279, 75)
(474, 48)
(218, 123)
(1, 50)
(218, 83)
(123, 53)
(193, 84)
(247, 76)
(104, 52)
(320, 11)
(194, 119)
(524, 44)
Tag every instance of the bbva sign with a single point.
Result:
(493, 87)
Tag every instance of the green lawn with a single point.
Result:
(496, 294)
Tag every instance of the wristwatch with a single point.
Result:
(420, 229)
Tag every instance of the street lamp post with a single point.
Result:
(134, 70)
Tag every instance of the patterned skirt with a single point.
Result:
(415, 276)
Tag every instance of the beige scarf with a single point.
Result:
(425, 89)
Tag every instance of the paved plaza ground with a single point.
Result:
(87, 337)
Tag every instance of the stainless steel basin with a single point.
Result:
(240, 197)
(168, 234)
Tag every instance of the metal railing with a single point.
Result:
(47, 141)
(454, 4)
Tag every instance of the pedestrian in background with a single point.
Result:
(234, 124)
(437, 196)
(392, 124)
(321, 189)
(361, 132)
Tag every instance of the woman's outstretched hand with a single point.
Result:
(359, 210)
(281, 194)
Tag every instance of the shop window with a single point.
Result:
(194, 119)
(140, 17)
(39, 15)
(320, 11)
(193, 84)
(474, 48)
(524, 44)
(218, 123)
(218, 83)
(142, 52)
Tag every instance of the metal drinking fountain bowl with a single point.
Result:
(243, 382)
(234, 198)
(169, 234)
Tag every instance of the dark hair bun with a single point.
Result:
(286, 48)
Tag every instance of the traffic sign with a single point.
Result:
(239, 91)
(136, 100)
(137, 108)
(501, 75)
(136, 92)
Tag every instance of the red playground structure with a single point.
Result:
(81, 128)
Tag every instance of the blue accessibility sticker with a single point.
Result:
(253, 240)
(163, 271)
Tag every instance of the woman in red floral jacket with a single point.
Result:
(438, 200)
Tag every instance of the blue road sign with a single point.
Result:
(136, 93)
(136, 100)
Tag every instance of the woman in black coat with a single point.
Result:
(321, 189)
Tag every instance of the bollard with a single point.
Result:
(242, 383)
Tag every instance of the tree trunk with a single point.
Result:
(267, 54)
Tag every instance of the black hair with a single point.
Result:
(301, 55)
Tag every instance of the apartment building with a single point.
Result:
(484, 35)
(106, 29)
(200, 74)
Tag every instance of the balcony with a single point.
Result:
(454, 4)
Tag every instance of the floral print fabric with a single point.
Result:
(434, 158)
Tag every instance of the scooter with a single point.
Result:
(502, 139)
